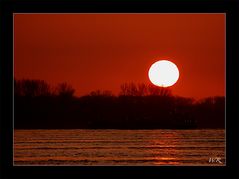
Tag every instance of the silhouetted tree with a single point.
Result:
(141, 89)
(183, 102)
(158, 91)
(211, 101)
(31, 88)
(101, 93)
(65, 90)
(128, 89)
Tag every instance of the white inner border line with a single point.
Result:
(126, 165)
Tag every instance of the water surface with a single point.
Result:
(119, 147)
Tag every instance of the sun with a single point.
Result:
(163, 73)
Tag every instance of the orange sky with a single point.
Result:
(102, 51)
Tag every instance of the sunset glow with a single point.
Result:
(102, 51)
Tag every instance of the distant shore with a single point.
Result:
(138, 106)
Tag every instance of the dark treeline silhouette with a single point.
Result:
(37, 105)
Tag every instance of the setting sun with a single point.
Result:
(163, 73)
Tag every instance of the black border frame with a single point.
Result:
(230, 7)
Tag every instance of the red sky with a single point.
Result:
(102, 51)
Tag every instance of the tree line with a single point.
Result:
(137, 106)
(35, 88)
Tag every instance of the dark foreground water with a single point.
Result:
(119, 147)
